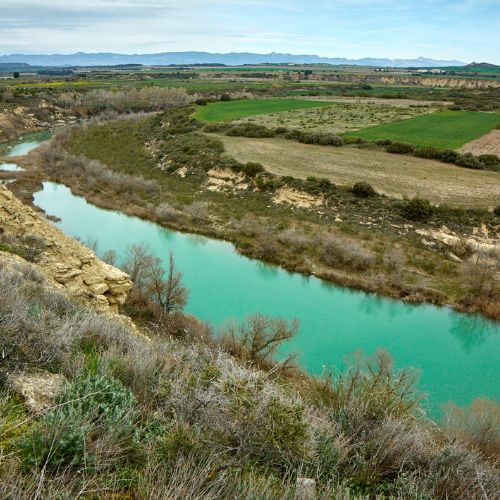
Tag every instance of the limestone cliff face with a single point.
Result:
(65, 262)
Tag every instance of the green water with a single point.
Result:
(457, 355)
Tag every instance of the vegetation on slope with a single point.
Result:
(171, 414)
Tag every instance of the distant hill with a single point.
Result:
(485, 65)
(232, 58)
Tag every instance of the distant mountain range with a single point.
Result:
(230, 59)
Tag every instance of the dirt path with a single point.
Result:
(487, 144)
(394, 175)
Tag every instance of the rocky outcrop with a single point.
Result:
(38, 388)
(296, 198)
(65, 262)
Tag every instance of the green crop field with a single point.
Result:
(232, 110)
(445, 129)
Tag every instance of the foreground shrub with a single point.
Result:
(363, 190)
(418, 209)
(93, 413)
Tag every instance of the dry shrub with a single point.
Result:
(339, 251)
(477, 425)
(166, 213)
(198, 211)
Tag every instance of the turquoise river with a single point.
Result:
(456, 355)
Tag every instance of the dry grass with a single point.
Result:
(394, 175)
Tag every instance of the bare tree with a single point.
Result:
(138, 261)
(258, 337)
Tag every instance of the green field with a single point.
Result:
(445, 129)
(232, 110)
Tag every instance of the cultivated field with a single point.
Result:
(339, 118)
(446, 129)
(487, 144)
(232, 110)
(394, 175)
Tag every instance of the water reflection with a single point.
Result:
(472, 331)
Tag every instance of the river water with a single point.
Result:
(457, 355)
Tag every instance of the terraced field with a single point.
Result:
(394, 175)
(445, 129)
(232, 110)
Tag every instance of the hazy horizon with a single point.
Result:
(465, 30)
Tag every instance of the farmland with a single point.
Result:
(446, 129)
(340, 117)
(224, 111)
(394, 175)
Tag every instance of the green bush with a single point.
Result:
(468, 161)
(363, 190)
(448, 156)
(427, 152)
(418, 209)
(250, 130)
(252, 169)
(489, 160)
(90, 409)
(400, 148)
(496, 211)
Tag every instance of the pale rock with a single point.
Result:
(38, 388)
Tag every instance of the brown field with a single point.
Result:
(342, 116)
(394, 175)
(487, 144)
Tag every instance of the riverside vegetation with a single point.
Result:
(174, 413)
(167, 169)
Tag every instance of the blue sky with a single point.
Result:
(442, 29)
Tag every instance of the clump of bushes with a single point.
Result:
(418, 209)
(469, 161)
(363, 190)
(496, 211)
(400, 148)
(324, 139)
(250, 130)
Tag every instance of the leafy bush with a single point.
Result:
(489, 160)
(468, 161)
(225, 97)
(250, 130)
(448, 156)
(418, 209)
(252, 169)
(363, 190)
(400, 148)
(91, 410)
(427, 152)
(324, 139)
(496, 211)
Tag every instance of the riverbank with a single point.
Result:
(305, 227)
